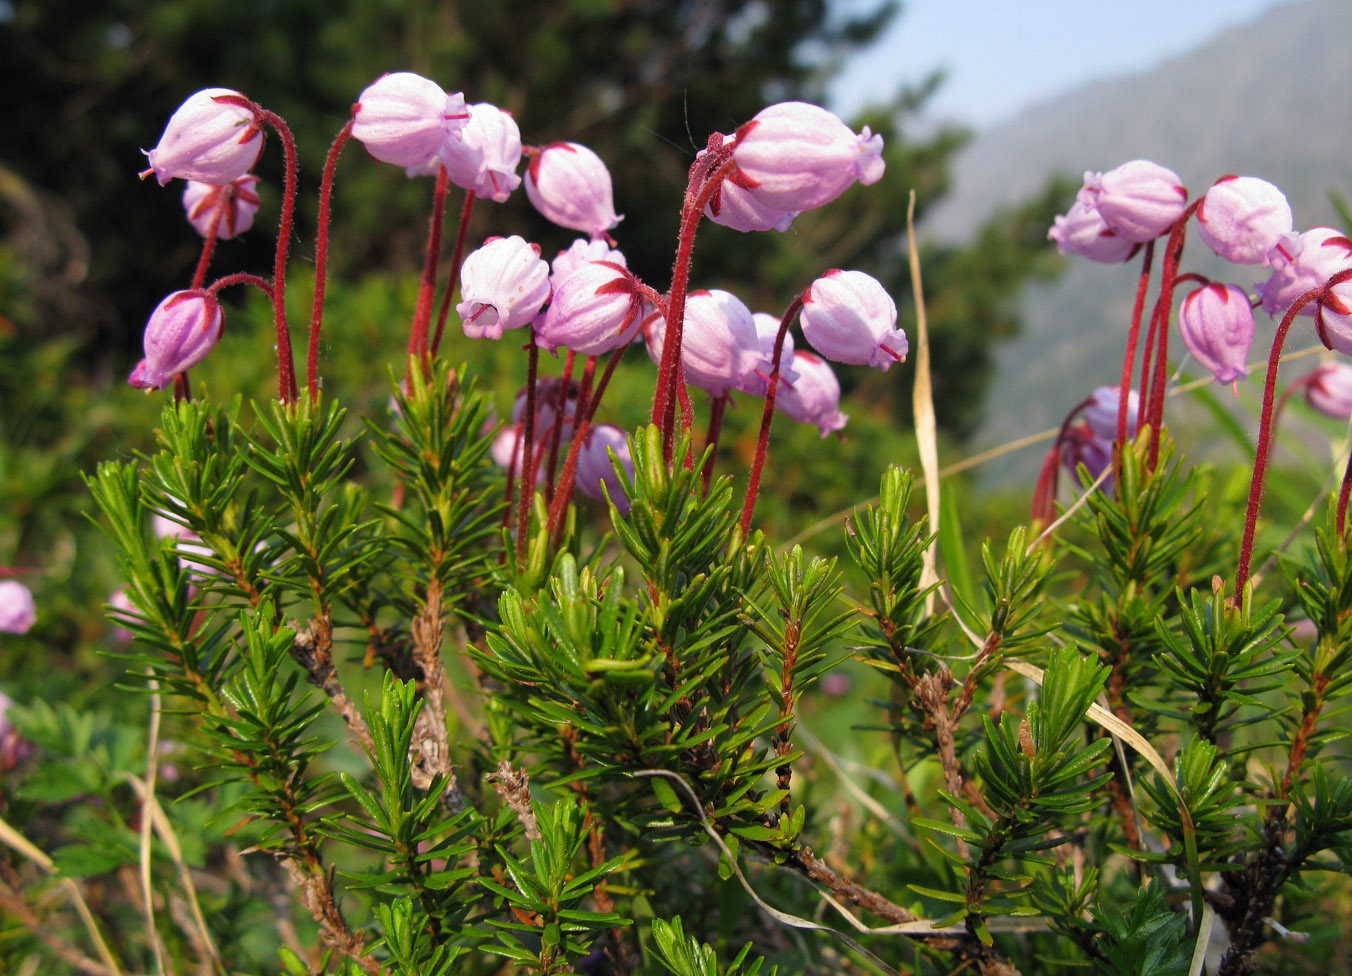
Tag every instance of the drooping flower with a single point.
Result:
(1083, 231)
(1242, 218)
(14, 748)
(1329, 390)
(1333, 318)
(18, 612)
(582, 251)
(213, 137)
(814, 395)
(1303, 264)
(1140, 200)
(794, 156)
(403, 118)
(570, 186)
(719, 344)
(849, 318)
(1101, 412)
(1217, 326)
(767, 330)
(735, 207)
(595, 310)
(503, 285)
(181, 331)
(236, 203)
(596, 474)
(485, 157)
(1081, 446)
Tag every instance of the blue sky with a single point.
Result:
(1004, 56)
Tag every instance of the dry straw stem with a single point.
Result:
(148, 798)
(951, 937)
(18, 842)
(164, 829)
(922, 403)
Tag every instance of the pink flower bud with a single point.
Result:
(213, 137)
(18, 612)
(1333, 318)
(236, 203)
(569, 184)
(1082, 231)
(1101, 412)
(719, 345)
(814, 396)
(502, 286)
(767, 329)
(1217, 327)
(596, 474)
(595, 310)
(794, 156)
(849, 318)
(181, 331)
(734, 207)
(1302, 265)
(1242, 218)
(1329, 390)
(485, 157)
(1140, 200)
(403, 118)
(582, 251)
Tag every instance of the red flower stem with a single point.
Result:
(287, 391)
(1173, 256)
(509, 494)
(322, 257)
(716, 411)
(1129, 358)
(584, 388)
(563, 493)
(556, 433)
(687, 420)
(1264, 449)
(1343, 493)
(422, 313)
(241, 278)
(527, 442)
(209, 244)
(182, 389)
(771, 389)
(456, 260)
(706, 175)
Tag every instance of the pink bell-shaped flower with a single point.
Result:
(767, 330)
(596, 309)
(181, 331)
(1100, 413)
(1083, 231)
(485, 157)
(18, 612)
(236, 203)
(1333, 318)
(1329, 390)
(1302, 265)
(1140, 200)
(1242, 218)
(569, 184)
(596, 474)
(213, 137)
(849, 318)
(719, 345)
(732, 206)
(14, 748)
(814, 395)
(1217, 326)
(403, 118)
(794, 156)
(581, 252)
(502, 286)
(1080, 445)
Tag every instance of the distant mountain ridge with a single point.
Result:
(1268, 99)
